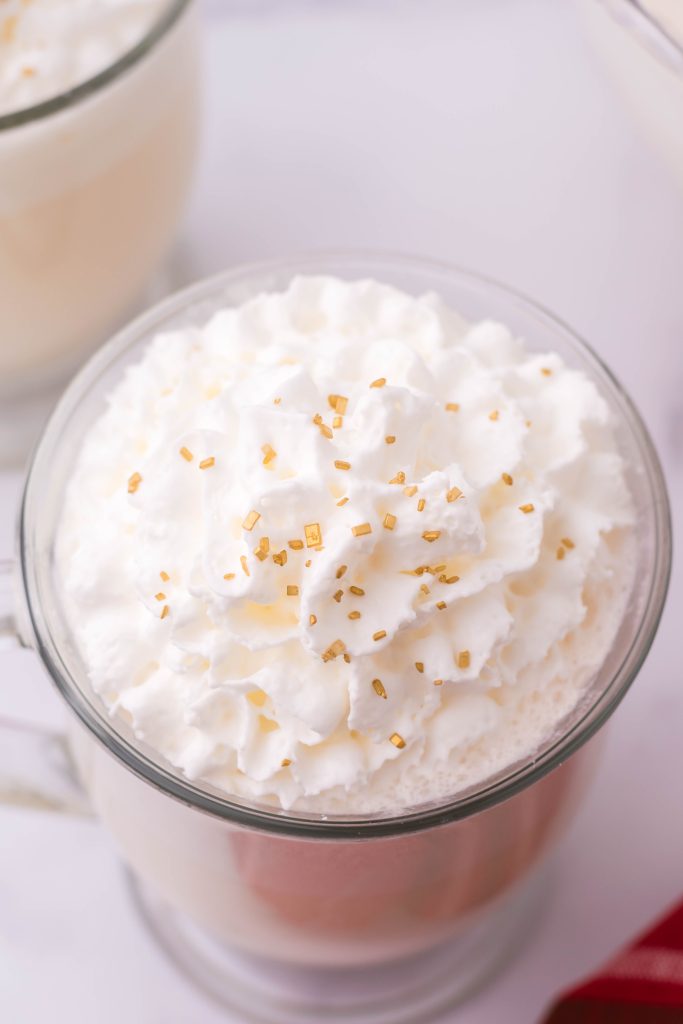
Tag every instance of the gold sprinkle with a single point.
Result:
(560, 553)
(296, 545)
(546, 371)
(263, 548)
(361, 530)
(207, 463)
(526, 508)
(326, 431)
(347, 657)
(453, 494)
(307, 563)
(268, 454)
(495, 415)
(389, 521)
(285, 762)
(379, 635)
(431, 535)
(280, 558)
(448, 579)
(438, 682)
(434, 569)
(400, 478)
(441, 605)
(165, 611)
(419, 665)
(313, 535)
(568, 542)
(251, 520)
(160, 596)
(341, 570)
(464, 659)
(528, 423)
(8, 28)
(424, 588)
(338, 595)
(354, 615)
(390, 439)
(397, 740)
(358, 591)
(334, 650)
(410, 491)
(165, 577)
(421, 505)
(341, 464)
(229, 576)
(379, 383)
(28, 72)
(186, 454)
(452, 406)
(342, 501)
(276, 401)
(378, 687)
(134, 482)
(507, 479)
(312, 619)
(338, 422)
(292, 590)
(245, 567)
(338, 403)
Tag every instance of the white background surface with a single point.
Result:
(483, 132)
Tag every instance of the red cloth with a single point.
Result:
(642, 985)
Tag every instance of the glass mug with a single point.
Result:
(92, 183)
(646, 63)
(292, 917)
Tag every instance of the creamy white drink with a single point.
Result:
(338, 550)
(90, 191)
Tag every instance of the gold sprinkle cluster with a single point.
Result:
(338, 403)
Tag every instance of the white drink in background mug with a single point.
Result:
(98, 123)
(337, 585)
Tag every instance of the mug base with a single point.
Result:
(407, 991)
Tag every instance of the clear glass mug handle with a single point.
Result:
(36, 767)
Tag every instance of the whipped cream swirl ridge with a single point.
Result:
(320, 548)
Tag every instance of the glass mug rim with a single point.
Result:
(83, 90)
(233, 809)
(660, 42)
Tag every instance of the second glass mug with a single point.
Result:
(88, 210)
(284, 916)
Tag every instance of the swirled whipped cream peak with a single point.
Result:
(339, 550)
(50, 46)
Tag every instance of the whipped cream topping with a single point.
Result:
(338, 549)
(50, 46)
